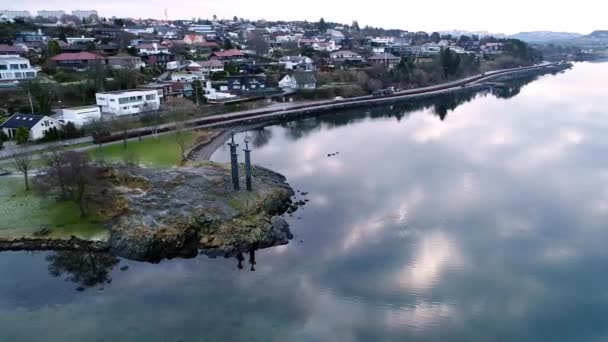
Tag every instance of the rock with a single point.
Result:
(194, 209)
(124, 268)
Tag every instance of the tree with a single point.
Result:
(83, 179)
(122, 126)
(198, 93)
(151, 120)
(235, 19)
(355, 26)
(126, 78)
(257, 42)
(1, 144)
(43, 93)
(23, 164)
(88, 269)
(54, 163)
(322, 26)
(99, 130)
(22, 135)
(181, 138)
(227, 44)
(435, 37)
(52, 49)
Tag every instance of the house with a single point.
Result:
(15, 68)
(246, 83)
(158, 60)
(167, 32)
(299, 80)
(213, 94)
(388, 60)
(326, 46)
(151, 49)
(492, 48)
(124, 62)
(31, 36)
(193, 38)
(37, 125)
(431, 49)
(297, 63)
(227, 55)
(80, 116)
(137, 30)
(186, 77)
(13, 50)
(79, 40)
(206, 67)
(77, 60)
(128, 102)
(107, 32)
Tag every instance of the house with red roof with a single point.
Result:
(227, 55)
(77, 60)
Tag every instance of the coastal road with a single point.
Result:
(286, 109)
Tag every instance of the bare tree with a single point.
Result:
(55, 169)
(181, 136)
(23, 164)
(99, 130)
(122, 126)
(84, 179)
(150, 118)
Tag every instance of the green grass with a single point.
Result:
(24, 213)
(161, 152)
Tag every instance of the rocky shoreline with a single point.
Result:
(185, 212)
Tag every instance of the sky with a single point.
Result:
(509, 17)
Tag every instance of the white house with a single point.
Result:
(186, 77)
(128, 102)
(299, 80)
(297, 62)
(212, 94)
(206, 67)
(79, 40)
(81, 116)
(15, 68)
(326, 46)
(37, 125)
(151, 49)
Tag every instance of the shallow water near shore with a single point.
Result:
(476, 217)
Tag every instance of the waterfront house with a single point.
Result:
(37, 125)
(299, 80)
(245, 83)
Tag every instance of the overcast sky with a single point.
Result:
(509, 17)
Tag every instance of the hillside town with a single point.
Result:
(62, 68)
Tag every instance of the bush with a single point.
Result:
(3, 136)
(65, 77)
(22, 135)
(1, 144)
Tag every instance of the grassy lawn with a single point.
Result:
(24, 213)
(161, 152)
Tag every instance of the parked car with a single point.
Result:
(338, 98)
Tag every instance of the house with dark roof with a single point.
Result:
(299, 80)
(13, 50)
(37, 125)
(245, 83)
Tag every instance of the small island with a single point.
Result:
(149, 213)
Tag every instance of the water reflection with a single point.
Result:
(87, 269)
(240, 258)
(489, 225)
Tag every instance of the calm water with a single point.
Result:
(477, 218)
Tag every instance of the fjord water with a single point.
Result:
(470, 218)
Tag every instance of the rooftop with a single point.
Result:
(68, 56)
(22, 120)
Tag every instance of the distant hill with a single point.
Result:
(600, 34)
(545, 36)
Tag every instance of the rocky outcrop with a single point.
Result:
(181, 212)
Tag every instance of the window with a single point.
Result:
(150, 97)
(14, 66)
(3, 67)
(18, 75)
(23, 66)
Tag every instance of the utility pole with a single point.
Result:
(29, 95)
